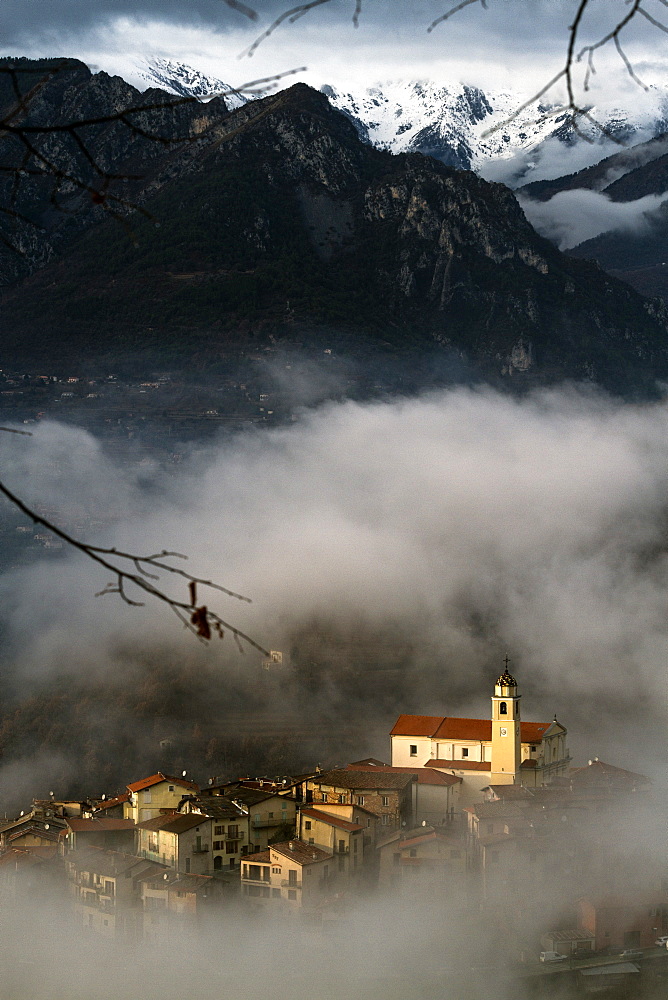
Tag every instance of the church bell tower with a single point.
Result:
(506, 742)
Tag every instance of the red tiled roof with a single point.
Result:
(259, 858)
(174, 823)
(110, 803)
(90, 825)
(301, 853)
(326, 817)
(416, 725)
(156, 779)
(461, 765)
(424, 777)
(450, 728)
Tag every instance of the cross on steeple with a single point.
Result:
(507, 661)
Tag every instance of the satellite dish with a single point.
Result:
(183, 774)
(424, 822)
(210, 781)
(103, 797)
(166, 875)
(22, 812)
(46, 826)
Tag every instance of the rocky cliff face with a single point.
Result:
(276, 224)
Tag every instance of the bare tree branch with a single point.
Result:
(128, 568)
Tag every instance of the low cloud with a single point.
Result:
(571, 217)
(396, 551)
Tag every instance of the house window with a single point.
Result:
(503, 708)
(413, 750)
(385, 799)
(147, 795)
(307, 824)
(359, 799)
(292, 877)
(276, 871)
(231, 862)
(217, 845)
(342, 847)
(187, 864)
(385, 820)
(171, 788)
(342, 799)
(271, 815)
(219, 830)
(465, 751)
(311, 840)
(233, 831)
(413, 852)
(232, 847)
(323, 796)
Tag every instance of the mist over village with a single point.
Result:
(333, 519)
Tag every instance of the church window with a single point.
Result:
(413, 750)
(503, 708)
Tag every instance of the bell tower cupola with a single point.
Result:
(506, 742)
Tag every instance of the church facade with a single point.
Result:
(501, 750)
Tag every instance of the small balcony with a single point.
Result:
(287, 884)
(202, 849)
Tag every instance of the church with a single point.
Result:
(501, 750)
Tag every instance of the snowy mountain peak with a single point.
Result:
(466, 127)
(181, 79)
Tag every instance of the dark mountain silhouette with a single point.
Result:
(273, 224)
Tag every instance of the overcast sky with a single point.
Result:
(514, 43)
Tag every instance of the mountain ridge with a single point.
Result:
(277, 225)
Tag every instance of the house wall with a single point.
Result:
(147, 803)
(267, 817)
(391, 806)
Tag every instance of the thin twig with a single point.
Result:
(200, 617)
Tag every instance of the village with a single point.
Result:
(476, 815)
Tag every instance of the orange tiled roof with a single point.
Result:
(300, 852)
(156, 779)
(325, 817)
(461, 765)
(424, 777)
(110, 803)
(105, 824)
(450, 728)
(416, 725)
(259, 858)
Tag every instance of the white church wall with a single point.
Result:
(411, 751)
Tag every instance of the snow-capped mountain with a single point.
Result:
(454, 122)
(179, 78)
(462, 126)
